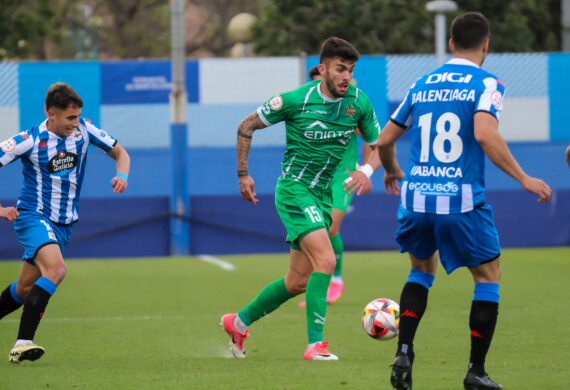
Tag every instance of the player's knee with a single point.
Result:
(57, 274)
(23, 290)
(296, 287)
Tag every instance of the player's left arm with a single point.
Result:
(123, 166)
(359, 181)
(568, 155)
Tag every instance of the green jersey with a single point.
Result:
(350, 156)
(318, 130)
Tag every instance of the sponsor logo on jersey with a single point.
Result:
(431, 171)
(446, 189)
(62, 163)
(443, 95)
(317, 123)
(450, 77)
(8, 146)
(350, 111)
(497, 100)
(276, 103)
(103, 134)
(324, 135)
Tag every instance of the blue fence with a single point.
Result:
(130, 100)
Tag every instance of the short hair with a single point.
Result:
(314, 72)
(338, 47)
(470, 30)
(62, 96)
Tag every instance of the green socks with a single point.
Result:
(270, 298)
(316, 298)
(338, 248)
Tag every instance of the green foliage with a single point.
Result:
(287, 27)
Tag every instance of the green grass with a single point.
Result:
(153, 324)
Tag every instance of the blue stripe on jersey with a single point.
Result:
(43, 160)
(65, 185)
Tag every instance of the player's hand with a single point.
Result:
(357, 182)
(391, 182)
(10, 213)
(247, 189)
(119, 184)
(537, 187)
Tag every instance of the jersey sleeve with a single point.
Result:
(403, 114)
(15, 147)
(368, 122)
(100, 138)
(276, 109)
(490, 96)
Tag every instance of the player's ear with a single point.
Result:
(451, 46)
(485, 46)
(322, 69)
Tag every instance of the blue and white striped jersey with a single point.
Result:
(445, 174)
(53, 167)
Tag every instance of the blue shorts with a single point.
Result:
(34, 231)
(463, 240)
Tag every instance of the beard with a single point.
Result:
(331, 86)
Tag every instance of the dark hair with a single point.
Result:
(314, 72)
(62, 96)
(469, 30)
(337, 47)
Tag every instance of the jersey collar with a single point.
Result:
(326, 98)
(461, 61)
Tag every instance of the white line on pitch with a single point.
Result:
(217, 262)
(96, 319)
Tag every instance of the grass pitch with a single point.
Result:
(153, 324)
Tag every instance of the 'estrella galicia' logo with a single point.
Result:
(62, 163)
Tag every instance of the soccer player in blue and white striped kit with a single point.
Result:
(452, 114)
(54, 155)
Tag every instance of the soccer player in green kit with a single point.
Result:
(320, 119)
(342, 200)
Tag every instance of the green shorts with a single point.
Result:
(302, 210)
(341, 198)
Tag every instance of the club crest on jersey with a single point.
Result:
(276, 103)
(8, 146)
(62, 163)
(350, 111)
(497, 100)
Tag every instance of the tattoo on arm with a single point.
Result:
(244, 137)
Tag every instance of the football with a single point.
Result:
(381, 318)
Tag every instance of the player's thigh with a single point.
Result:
(301, 211)
(337, 218)
(467, 239)
(300, 269)
(317, 247)
(415, 234)
(34, 231)
(340, 198)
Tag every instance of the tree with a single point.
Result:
(287, 27)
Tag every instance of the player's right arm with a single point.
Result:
(244, 136)
(10, 150)
(487, 134)
(387, 152)
(568, 155)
